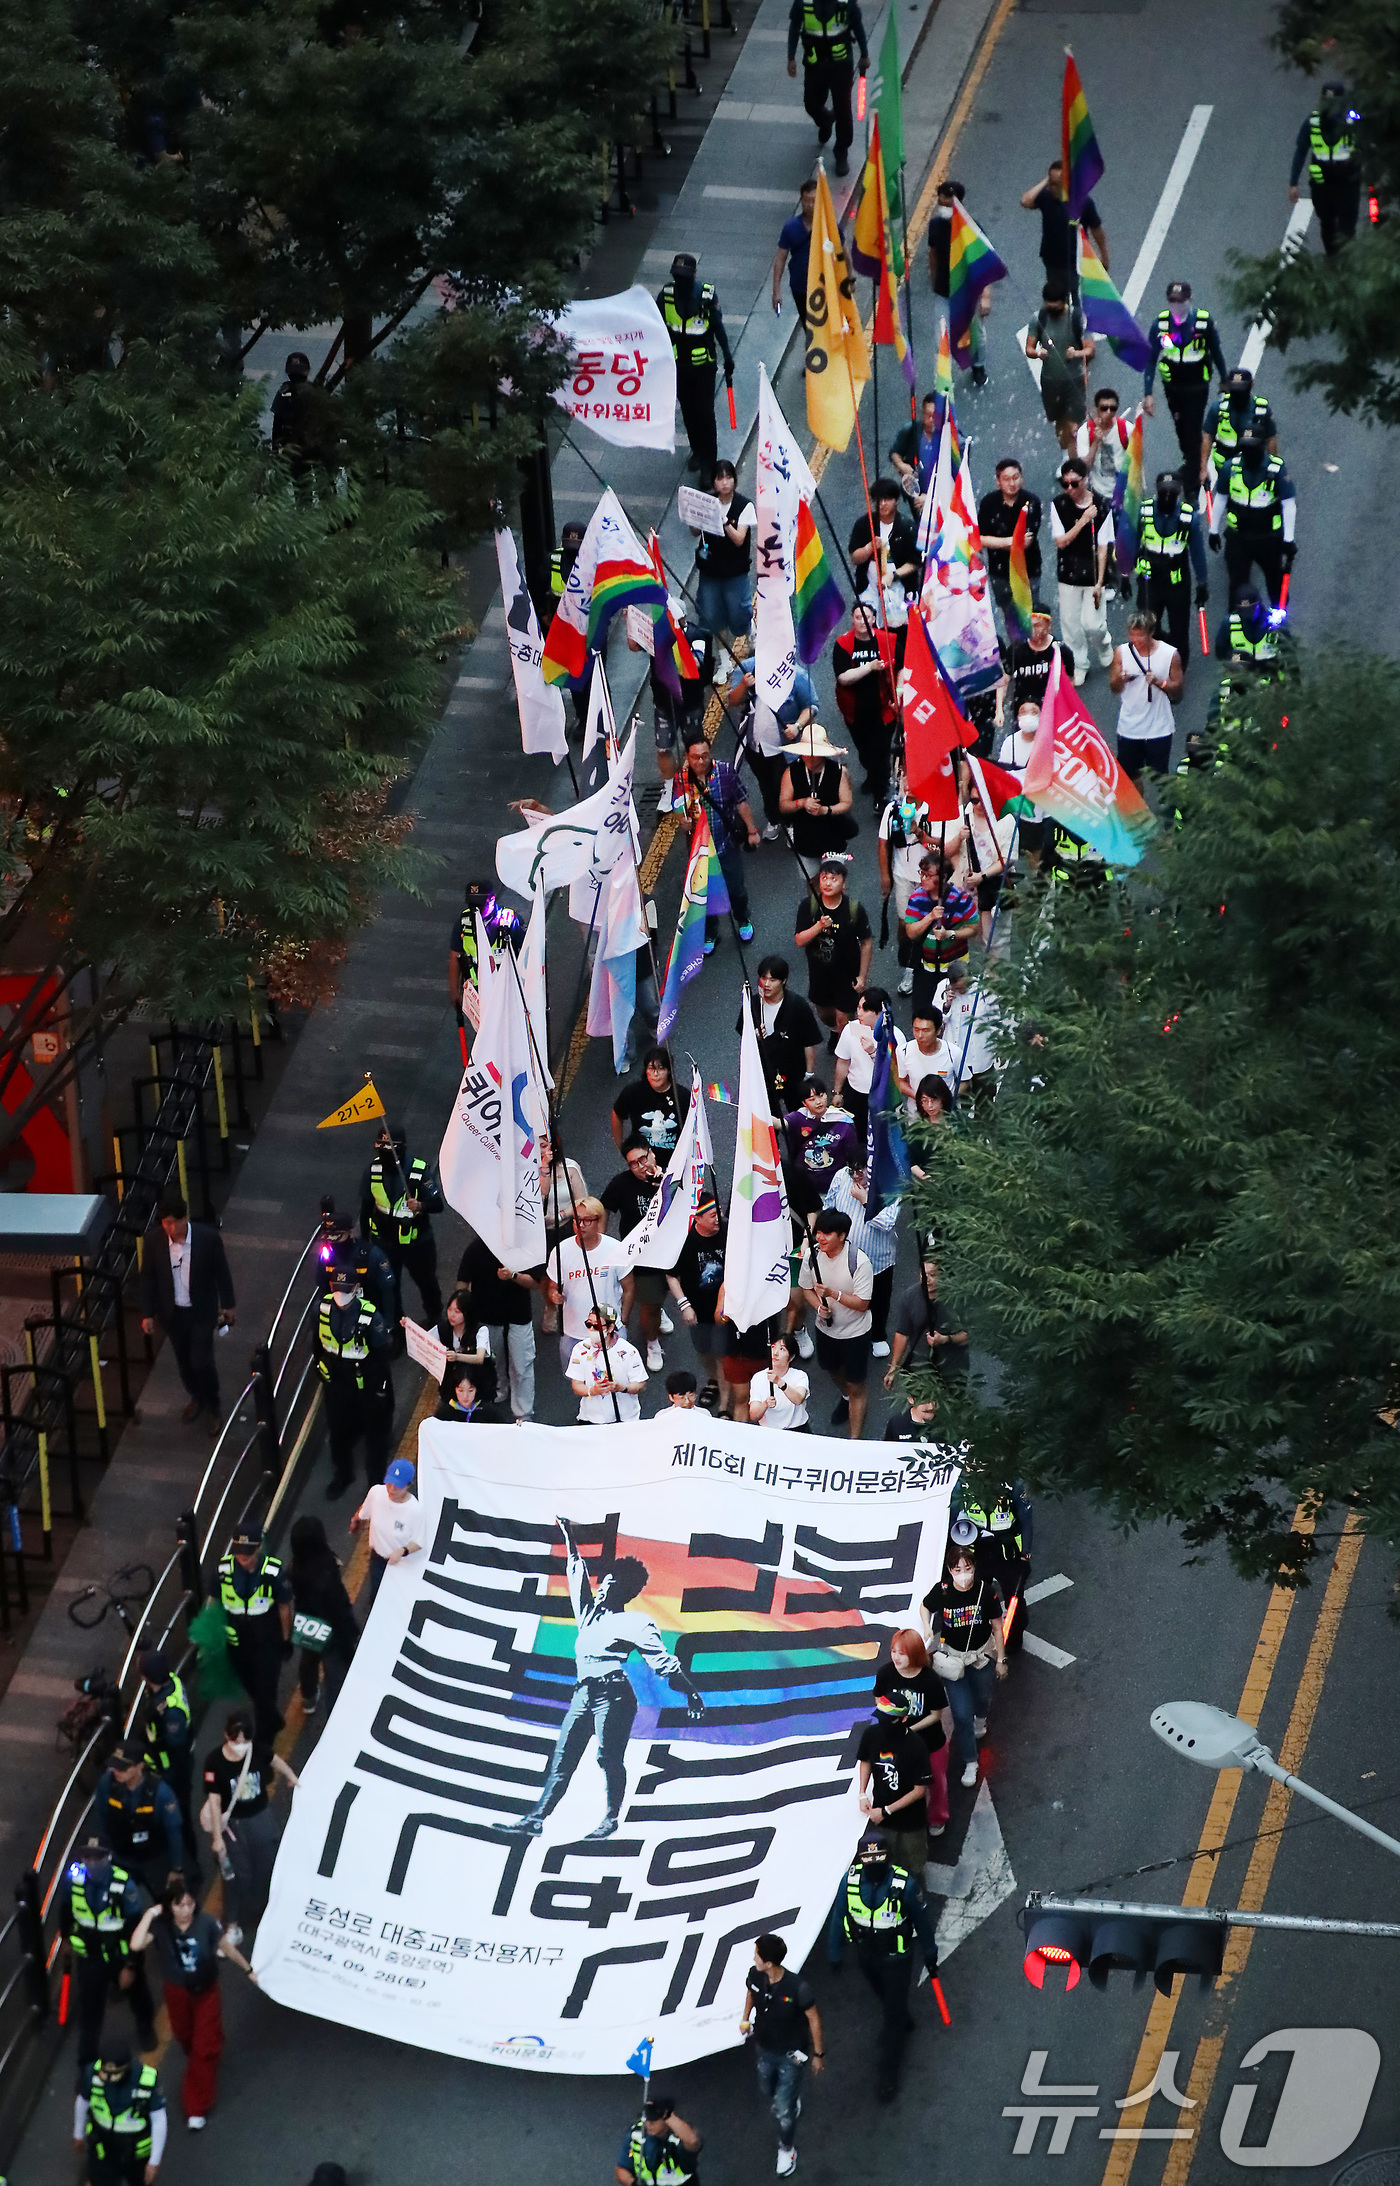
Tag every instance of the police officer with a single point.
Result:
(661, 2148)
(397, 1197)
(1185, 348)
(138, 1818)
(119, 2120)
(353, 1347)
(696, 327)
(256, 1598)
(561, 561)
(1327, 142)
(1002, 1532)
(502, 928)
(1169, 546)
(373, 1270)
(1248, 638)
(1225, 420)
(98, 1904)
(827, 29)
(1257, 509)
(168, 1726)
(885, 1909)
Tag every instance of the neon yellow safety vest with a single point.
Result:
(1256, 506)
(888, 1918)
(1325, 158)
(692, 337)
(1183, 353)
(675, 2165)
(397, 1209)
(121, 2136)
(826, 34)
(99, 1928)
(1227, 432)
(1156, 546)
(238, 1612)
(353, 1348)
(1259, 652)
(174, 1702)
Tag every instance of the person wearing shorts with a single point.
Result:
(746, 1353)
(837, 1282)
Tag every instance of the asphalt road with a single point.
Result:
(1083, 1794)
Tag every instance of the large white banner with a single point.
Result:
(599, 1736)
(622, 369)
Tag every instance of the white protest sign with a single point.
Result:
(641, 635)
(425, 1350)
(598, 1736)
(622, 369)
(702, 511)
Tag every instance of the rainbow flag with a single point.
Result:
(1127, 502)
(1018, 614)
(872, 253)
(972, 266)
(720, 1093)
(612, 572)
(943, 398)
(1081, 159)
(703, 896)
(1105, 311)
(817, 606)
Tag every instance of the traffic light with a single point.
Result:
(1140, 1943)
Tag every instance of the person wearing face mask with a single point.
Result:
(1256, 509)
(1226, 419)
(119, 2120)
(1185, 347)
(1170, 547)
(1327, 142)
(695, 324)
(255, 1595)
(962, 1624)
(1015, 756)
(353, 1346)
(238, 1780)
(1247, 638)
(885, 1909)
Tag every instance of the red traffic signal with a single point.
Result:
(1056, 1939)
(1373, 207)
(1122, 1941)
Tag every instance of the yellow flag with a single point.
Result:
(838, 362)
(362, 1107)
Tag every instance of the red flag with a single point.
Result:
(997, 785)
(934, 725)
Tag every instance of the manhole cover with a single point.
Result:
(1380, 2168)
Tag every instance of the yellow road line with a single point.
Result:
(1212, 1837)
(1261, 1866)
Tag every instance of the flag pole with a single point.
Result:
(986, 960)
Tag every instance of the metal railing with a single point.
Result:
(252, 1476)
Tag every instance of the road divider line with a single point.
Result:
(1252, 355)
(1178, 174)
(1213, 1835)
(1261, 1863)
(1044, 1652)
(1044, 1588)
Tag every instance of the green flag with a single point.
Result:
(889, 105)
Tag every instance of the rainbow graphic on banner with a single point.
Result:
(1018, 614)
(1105, 311)
(1082, 161)
(703, 896)
(972, 266)
(1127, 503)
(817, 606)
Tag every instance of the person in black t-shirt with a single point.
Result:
(962, 1615)
(913, 1425)
(833, 932)
(996, 520)
(501, 1301)
(909, 1672)
(789, 1037)
(652, 1105)
(1058, 252)
(628, 1196)
(894, 1780)
(780, 2010)
(1028, 665)
(238, 1779)
(696, 1283)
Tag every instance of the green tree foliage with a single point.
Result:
(207, 676)
(1179, 1234)
(1351, 301)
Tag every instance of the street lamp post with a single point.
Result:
(1220, 1741)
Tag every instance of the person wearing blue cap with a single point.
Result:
(394, 1517)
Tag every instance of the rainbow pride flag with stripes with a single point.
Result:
(1105, 311)
(1127, 502)
(1081, 159)
(972, 266)
(1018, 614)
(703, 896)
(817, 606)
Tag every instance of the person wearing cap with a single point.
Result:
(894, 1776)
(697, 1284)
(997, 512)
(293, 418)
(168, 1727)
(1247, 637)
(353, 1348)
(606, 1373)
(887, 561)
(780, 2014)
(373, 1268)
(323, 1619)
(138, 1817)
(97, 1906)
(833, 933)
(1146, 679)
(1184, 347)
(397, 1197)
(1236, 406)
(255, 1595)
(961, 1618)
(1256, 509)
(1170, 550)
(1081, 525)
(1327, 144)
(661, 2148)
(394, 1517)
(837, 1283)
(187, 1290)
(695, 324)
(119, 2120)
(885, 1909)
(827, 29)
(188, 1945)
(239, 1778)
(710, 786)
(864, 663)
(815, 796)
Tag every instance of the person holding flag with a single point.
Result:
(996, 520)
(972, 267)
(1058, 253)
(940, 238)
(710, 789)
(873, 254)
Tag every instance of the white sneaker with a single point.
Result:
(979, 1726)
(233, 1934)
(196, 2125)
(936, 1829)
(770, 835)
(969, 1776)
(668, 1326)
(879, 1351)
(787, 2161)
(1081, 677)
(805, 1345)
(655, 1362)
(906, 984)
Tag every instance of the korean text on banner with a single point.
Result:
(541, 707)
(622, 369)
(666, 1629)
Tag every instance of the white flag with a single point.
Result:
(490, 1158)
(600, 730)
(622, 369)
(776, 498)
(757, 1269)
(663, 1229)
(531, 962)
(541, 707)
(622, 930)
(584, 842)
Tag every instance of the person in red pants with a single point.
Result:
(908, 1671)
(188, 1945)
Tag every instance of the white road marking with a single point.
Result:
(1161, 220)
(1044, 1588)
(794, 117)
(981, 1881)
(1055, 1656)
(1251, 356)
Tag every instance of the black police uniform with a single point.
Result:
(1164, 571)
(696, 327)
(1185, 354)
(1253, 488)
(99, 1903)
(1326, 142)
(828, 29)
(406, 1239)
(252, 1602)
(353, 1346)
(883, 1934)
(168, 1750)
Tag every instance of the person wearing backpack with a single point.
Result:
(837, 1282)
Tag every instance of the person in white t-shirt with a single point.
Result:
(606, 1372)
(1015, 756)
(927, 1055)
(394, 1517)
(855, 1057)
(1146, 676)
(778, 1392)
(837, 1282)
(590, 1269)
(969, 1028)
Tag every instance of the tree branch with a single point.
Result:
(389, 327)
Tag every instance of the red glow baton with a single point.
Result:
(1009, 1619)
(1283, 592)
(733, 420)
(860, 108)
(1201, 622)
(941, 2001)
(63, 2000)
